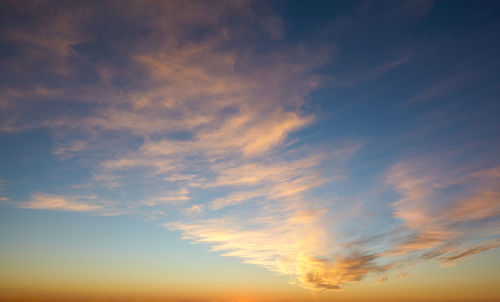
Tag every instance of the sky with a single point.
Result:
(249, 151)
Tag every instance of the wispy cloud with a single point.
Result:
(60, 203)
(210, 115)
(292, 243)
(445, 225)
(456, 257)
(175, 197)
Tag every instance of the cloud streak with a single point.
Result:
(60, 203)
(444, 225)
(292, 244)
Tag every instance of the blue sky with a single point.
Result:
(325, 145)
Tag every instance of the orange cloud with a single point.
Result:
(445, 225)
(59, 203)
(292, 244)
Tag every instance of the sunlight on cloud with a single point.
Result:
(60, 203)
(291, 245)
(447, 226)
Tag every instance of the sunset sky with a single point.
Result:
(241, 151)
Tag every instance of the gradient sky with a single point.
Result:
(249, 151)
